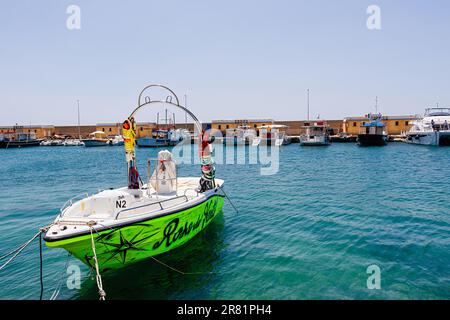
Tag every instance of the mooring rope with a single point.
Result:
(41, 277)
(18, 251)
(12, 252)
(226, 196)
(101, 291)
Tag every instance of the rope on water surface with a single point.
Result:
(179, 271)
(101, 291)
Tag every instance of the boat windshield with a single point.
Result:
(436, 112)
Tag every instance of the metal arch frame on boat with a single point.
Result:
(148, 101)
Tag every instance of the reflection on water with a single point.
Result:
(149, 279)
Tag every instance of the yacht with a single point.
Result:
(96, 139)
(432, 130)
(316, 135)
(373, 133)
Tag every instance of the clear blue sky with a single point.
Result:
(234, 59)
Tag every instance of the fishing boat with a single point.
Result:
(432, 130)
(373, 132)
(316, 134)
(96, 139)
(272, 135)
(118, 227)
(19, 140)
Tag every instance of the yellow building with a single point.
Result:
(111, 129)
(144, 129)
(223, 125)
(395, 125)
(40, 131)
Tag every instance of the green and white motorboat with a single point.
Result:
(118, 227)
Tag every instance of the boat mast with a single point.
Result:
(308, 103)
(185, 113)
(376, 104)
(157, 121)
(167, 125)
(79, 129)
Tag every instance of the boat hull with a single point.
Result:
(316, 141)
(120, 246)
(95, 143)
(154, 143)
(19, 144)
(435, 138)
(368, 140)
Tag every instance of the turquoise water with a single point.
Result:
(308, 232)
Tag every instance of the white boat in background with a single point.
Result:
(316, 134)
(96, 139)
(163, 138)
(73, 143)
(52, 143)
(272, 135)
(239, 136)
(116, 141)
(432, 130)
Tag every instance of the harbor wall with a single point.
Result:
(40, 130)
(72, 131)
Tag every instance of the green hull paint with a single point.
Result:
(122, 246)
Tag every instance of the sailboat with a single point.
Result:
(117, 227)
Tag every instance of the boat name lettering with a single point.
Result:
(173, 231)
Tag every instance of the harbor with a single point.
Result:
(345, 130)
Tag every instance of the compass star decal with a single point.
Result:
(118, 243)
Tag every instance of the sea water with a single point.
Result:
(310, 231)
